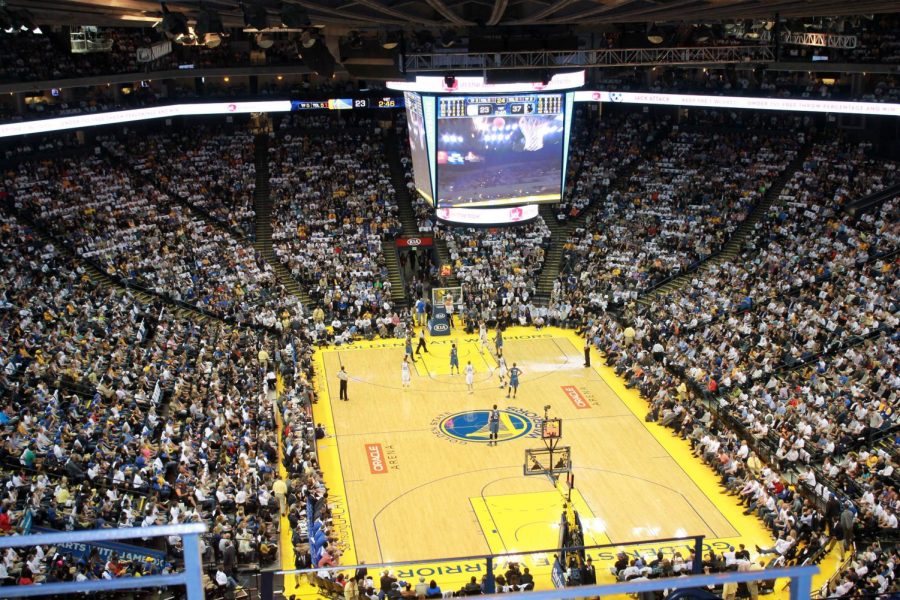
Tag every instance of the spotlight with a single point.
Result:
(654, 34)
(448, 38)
(174, 24)
(308, 38)
(264, 41)
(24, 21)
(255, 16)
(392, 40)
(209, 28)
(704, 32)
(316, 55)
(293, 16)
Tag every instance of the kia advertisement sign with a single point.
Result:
(414, 242)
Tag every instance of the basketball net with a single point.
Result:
(533, 130)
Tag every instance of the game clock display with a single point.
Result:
(484, 106)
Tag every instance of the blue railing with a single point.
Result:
(190, 578)
(800, 584)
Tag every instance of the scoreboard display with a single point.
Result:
(501, 150)
(489, 106)
(347, 103)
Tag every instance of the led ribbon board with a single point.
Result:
(890, 109)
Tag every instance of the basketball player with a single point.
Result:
(454, 359)
(448, 307)
(498, 341)
(470, 376)
(409, 352)
(494, 426)
(513, 380)
(483, 336)
(404, 373)
(502, 368)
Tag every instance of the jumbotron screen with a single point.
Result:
(500, 150)
(418, 145)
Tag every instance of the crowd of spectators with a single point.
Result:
(877, 41)
(333, 209)
(498, 268)
(137, 232)
(211, 168)
(613, 145)
(680, 205)
(871, 572)
(117, 414)
(772, 338)
(778, 365)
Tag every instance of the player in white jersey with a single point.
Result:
(404, 373)
(470, 376)
(502, 368)
(483, 336)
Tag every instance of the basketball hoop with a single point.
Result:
(533, 129)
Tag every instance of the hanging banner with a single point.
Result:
(126, 552)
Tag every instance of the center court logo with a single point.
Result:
(473, 425)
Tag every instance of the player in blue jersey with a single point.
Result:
(409, 352)
(513, 380)
(454, 359)
(494, 426)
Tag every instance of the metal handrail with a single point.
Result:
(800, 584)
(190, 577)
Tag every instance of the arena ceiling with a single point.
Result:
(418, 14)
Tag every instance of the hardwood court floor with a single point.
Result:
(411, 477)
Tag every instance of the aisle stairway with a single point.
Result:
(395, 275)
(559, 233)
(733, 246)
(262, 207)
(398, 179)
(406, 214)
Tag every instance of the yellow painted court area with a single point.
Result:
(412, 478)
(531, 518)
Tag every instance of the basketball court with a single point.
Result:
(411, 476)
